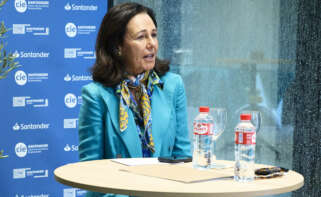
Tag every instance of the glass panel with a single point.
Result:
(238, 55)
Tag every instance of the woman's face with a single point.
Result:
(140, 44)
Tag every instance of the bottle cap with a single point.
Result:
(245, 116)
(204, 109)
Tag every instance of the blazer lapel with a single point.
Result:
(161, 114)
(129, 136)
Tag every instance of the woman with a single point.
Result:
(134, 107)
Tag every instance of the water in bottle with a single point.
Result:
(245, 140)
(203, 141)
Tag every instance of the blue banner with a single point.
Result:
(54, 42)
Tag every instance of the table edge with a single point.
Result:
(168, 194)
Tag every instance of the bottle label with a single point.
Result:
(203, 128)
(248, 138)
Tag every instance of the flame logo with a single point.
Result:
(67, 7)
(67, 78)
(16, 54)
(16, 127)
(67, 148)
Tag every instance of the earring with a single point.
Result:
(118, 52)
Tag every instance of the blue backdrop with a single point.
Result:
(54, 44)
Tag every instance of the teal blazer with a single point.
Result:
(99, 133)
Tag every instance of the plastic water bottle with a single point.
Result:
(203, 142)
(245, 137)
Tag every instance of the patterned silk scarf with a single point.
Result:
(142, 115)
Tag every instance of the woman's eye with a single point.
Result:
(154, 35)
(140, 37)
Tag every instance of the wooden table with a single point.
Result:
(105, 176)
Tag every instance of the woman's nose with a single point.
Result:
(151, 42)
